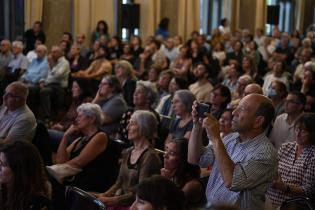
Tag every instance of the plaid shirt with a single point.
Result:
(255, 167)
(298, 172)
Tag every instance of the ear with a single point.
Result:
(259, 121)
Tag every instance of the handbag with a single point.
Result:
(62, 171)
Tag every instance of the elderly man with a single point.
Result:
(55, 82)
(19, 61)
(243, 162)
(39, 67)
(17, 122)
(5, 55)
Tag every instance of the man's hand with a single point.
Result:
(211, 125)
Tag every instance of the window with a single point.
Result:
(11, 19)
(285, 15)
(211, 13)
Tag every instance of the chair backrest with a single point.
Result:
(41, 142)
(298, 202)
(77, 199)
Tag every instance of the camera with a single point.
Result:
(202, 108)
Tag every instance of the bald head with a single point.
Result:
(41, 51)
(56, 52)
(252, 88)
(261, 106)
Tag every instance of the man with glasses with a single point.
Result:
(283, 128)
(17, 122)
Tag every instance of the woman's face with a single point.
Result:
(172, 88)
(153, 75)
(133, 129)
(82, 121)
(216, 97)
(140, 204)
(302, 136)
(76, 91)
(126, 49)
(245, 63)
(139, 97)
(225, 122)
(6, 174)
(171, 156)
(178, 106)
(120, 71)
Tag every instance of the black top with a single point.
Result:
(179, 132)
(30, 39)
(99, 174)
(38, 202)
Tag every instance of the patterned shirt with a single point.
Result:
(298, 172)
(255, 167)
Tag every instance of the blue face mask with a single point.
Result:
(271, 93)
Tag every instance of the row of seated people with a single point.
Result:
(282, 188)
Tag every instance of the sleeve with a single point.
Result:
(207, 158)
(259, 169)
(22, 130)
(60, 71)
(149, 166)
(308, 180)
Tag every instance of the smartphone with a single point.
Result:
(202, 108)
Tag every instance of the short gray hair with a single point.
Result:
(187, 98)
(150, 90)
(92, 110)
(18, 44)
(147, 123)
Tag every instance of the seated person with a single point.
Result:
(182, 125)
(220, 97)
(182, 173)
(138, 162)
(296, 164)
(17, 121)
(81, 93)
(158, 192)
(225, 123)
(113, 105)
(244, 162)
(38, 69)
(19, 62)
(98, 68)
(143, 99)
(89, 152)
(23, 177)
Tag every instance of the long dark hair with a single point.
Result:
(105, 30)
(85, 87)
(29, 176)
(186, 171)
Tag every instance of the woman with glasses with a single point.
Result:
(296, 174)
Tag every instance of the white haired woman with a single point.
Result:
(138, 162)
(89, 152)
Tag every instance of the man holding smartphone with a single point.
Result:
(243, 162)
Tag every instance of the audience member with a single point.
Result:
(31, 35)
(225, 123)
(17, 121)
(181, 64)
(5, 56)
(283, 127)
(112, 103)
(101, 29)
(127, 53)
(277, 92)
(202, 87)
(38, 69)
(158, 192)
(81, 93)
(52, 87)
(124, 72)
(296, 175)
(181, 105)
(244, 162)
(163, 83)
(220, 97)
(138, 162)
(252, 88)
(183, 174)
(24, 184)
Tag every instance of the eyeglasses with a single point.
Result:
(301, 130)
(11, 95)
(292, 101)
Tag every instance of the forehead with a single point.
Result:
(248, 103)
(292, 96)
(11, 88)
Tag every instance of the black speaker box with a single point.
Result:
(130, 16)
(273, 14)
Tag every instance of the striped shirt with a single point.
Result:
(298, 172)
(255, 167)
